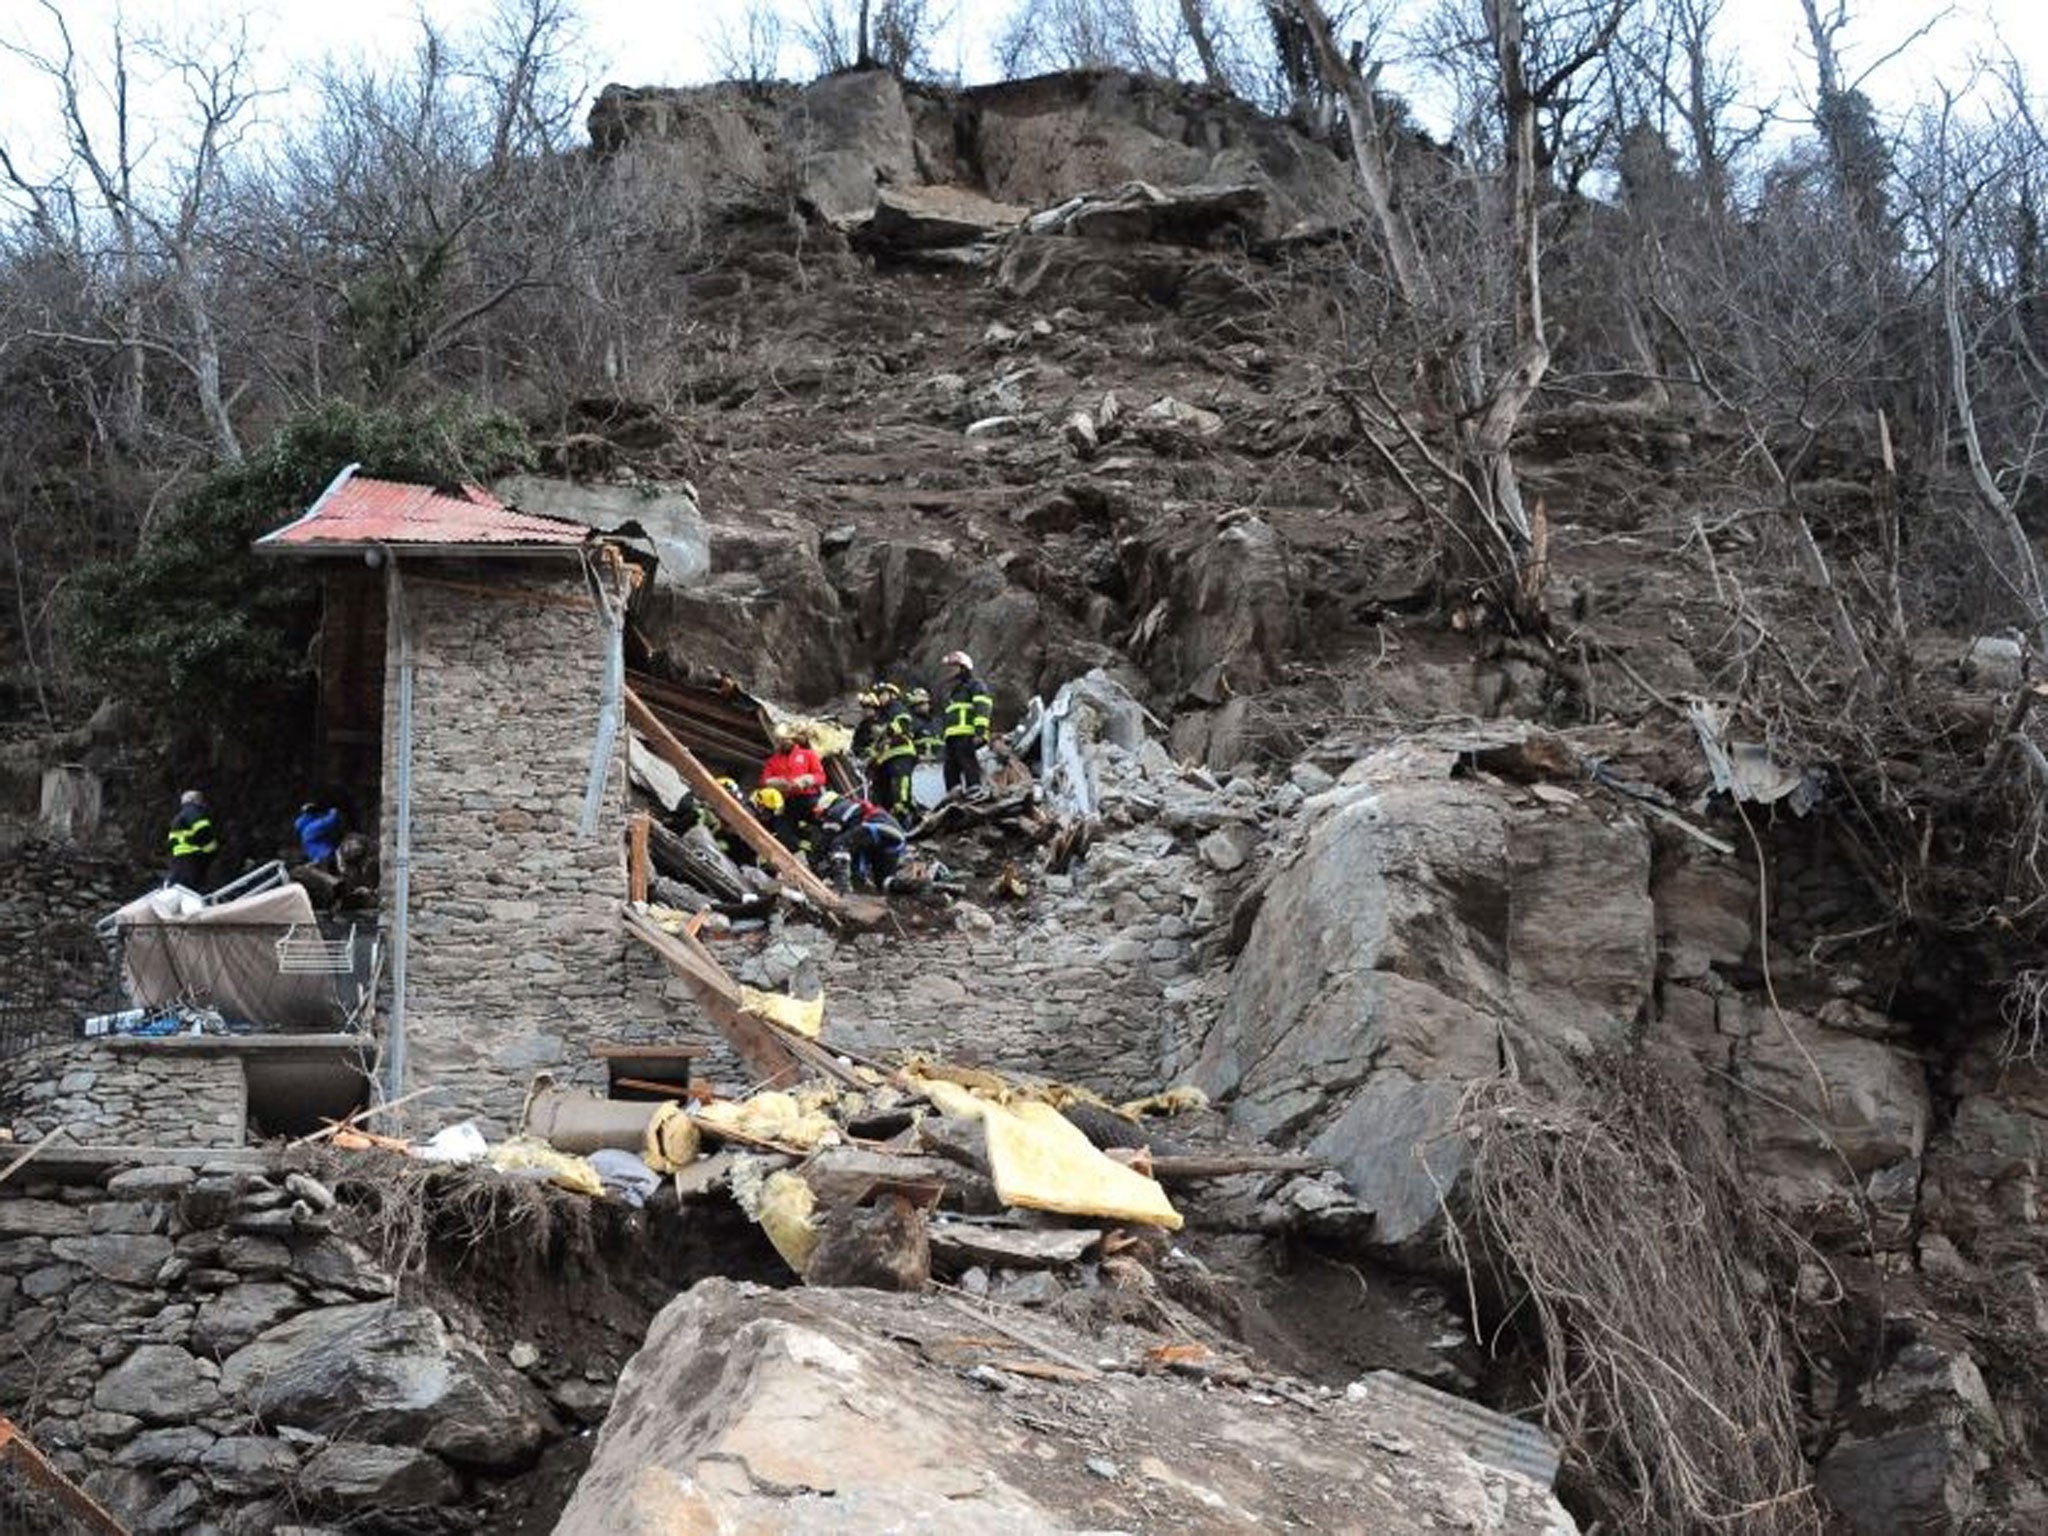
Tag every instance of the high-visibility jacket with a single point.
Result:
(893, 739)
(968, 707)
(192, 833)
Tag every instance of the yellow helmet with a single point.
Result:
(887, 691)
(768, 798)
(870, 699)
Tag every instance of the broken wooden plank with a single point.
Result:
(959, 1302)
(22, 1161)
(348, 1122)
(760, 1044)
(728, 809)
(89, 1514)
(636, 858)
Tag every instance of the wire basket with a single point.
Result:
(309, 952)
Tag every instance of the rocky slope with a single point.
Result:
(1117, 444)
(1429, 862)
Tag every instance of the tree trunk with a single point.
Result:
(1205, 46)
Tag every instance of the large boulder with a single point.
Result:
(850, 135)
(393, 1375)
(666, 516)
(1428, 932)
(1917, 1435)
(766, 611)
(803, 1411)
(1220, 611)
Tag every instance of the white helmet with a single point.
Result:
(958, 659)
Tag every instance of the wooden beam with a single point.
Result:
(759, 1044)
(88, 1513)
(729, 810)
(636, 858)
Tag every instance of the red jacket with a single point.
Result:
(795, 769)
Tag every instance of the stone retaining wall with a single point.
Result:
(205, 1341)
(109, 1094)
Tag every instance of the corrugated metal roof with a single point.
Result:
(356, 512)
(1511, 1445)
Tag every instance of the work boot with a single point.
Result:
(842, 872)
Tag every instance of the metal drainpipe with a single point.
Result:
(394, 1035)
(611, 613)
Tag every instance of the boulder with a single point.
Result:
(1426, 932)
(354, 1474)
(234, 1317)
(1826, 1111)
(1221, 610)
(394, 1375)
(159, 1383)
(850, 135)
(1918, 1433)
(803, 1411)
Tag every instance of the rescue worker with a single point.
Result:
(319, 831)
(924, 728)
(702, 815)
(892, 754)
(194, 841)
(863, 841)
(771, 809)
(796, 771)
(964, 728)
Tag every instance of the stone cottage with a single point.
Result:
(503, 777)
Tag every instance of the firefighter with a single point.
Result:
(892, 754)
(194, 841)
(924, 728)
(863, 841)
(772, 810)
(965, 721)
(795, 771)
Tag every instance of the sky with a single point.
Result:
(659, 42)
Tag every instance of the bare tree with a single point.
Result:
(749, 51)
(858, 34)
(155, 198)
(1474, 400)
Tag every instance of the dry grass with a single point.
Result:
(1616, 1226)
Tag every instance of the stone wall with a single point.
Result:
(125, 1093)
(516, 960)
(206, 1340)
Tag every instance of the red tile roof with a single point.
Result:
(356, 512)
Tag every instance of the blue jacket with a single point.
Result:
(319, 833)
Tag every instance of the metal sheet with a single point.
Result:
(1493, 1439)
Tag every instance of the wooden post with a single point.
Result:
(636, 859)
(704, 784)
(759, 1043)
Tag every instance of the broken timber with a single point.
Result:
(760, 1044)
(704, 784)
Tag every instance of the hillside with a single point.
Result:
(1645, 927)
